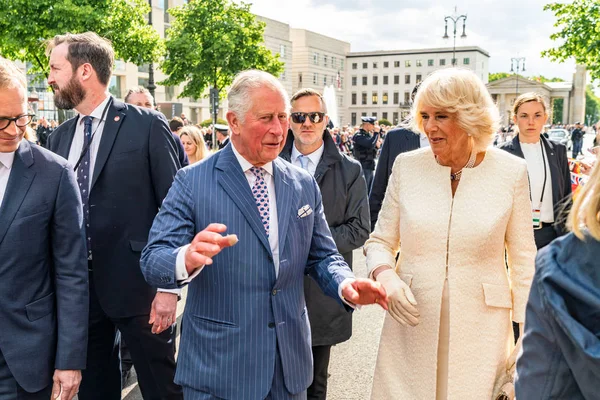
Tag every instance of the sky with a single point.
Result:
(504, 28)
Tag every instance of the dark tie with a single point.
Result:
(261, 196)
(83, 179)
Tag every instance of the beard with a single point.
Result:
(70, 96)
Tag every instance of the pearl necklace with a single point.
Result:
(470, 164)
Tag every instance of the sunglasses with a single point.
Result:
(314, 117)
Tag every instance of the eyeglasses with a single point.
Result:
(20, 121)
(314, 117)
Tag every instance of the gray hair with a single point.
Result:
(239, 96)
(138, 90)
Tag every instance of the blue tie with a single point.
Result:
(83, 179)
(303, 161)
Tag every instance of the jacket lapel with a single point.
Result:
(114, 118)
(283, 190)
(235, 184)
(516, 145)
(554, 170)
(19, 182)
(66, 138)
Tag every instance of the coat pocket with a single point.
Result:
(497, 295)
(40, 307)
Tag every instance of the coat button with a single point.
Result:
(271, 325)
(270, 258)
(274, 292)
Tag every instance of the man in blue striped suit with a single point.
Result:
(246, 334)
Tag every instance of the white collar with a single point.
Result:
(98, 111)
(315, 156)
(7, 159)
(245, 164)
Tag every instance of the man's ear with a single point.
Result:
(234, 122)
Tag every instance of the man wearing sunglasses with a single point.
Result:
(310, 146)
(43, 262)
(365, 147)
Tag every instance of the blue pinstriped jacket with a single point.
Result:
(237, 310)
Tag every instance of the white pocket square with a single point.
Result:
(304, 211)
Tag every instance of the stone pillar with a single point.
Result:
(578, 96)
(502, 109)
(565, 112)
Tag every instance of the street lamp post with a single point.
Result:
(517, 61)
(151, 85)
(455, 19)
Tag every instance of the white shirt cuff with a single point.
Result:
(342, 285)
(181, 275)
(174, 291)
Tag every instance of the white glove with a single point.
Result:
(401, 301)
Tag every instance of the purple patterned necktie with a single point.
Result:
(261, 196)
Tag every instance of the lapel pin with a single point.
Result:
(117, 118)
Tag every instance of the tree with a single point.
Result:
(384, 122)
(579, 31)
(543, 79)
(592, 106)
(498, 75)
(557, 110)
(26, 24)
(209, 42)
(208, 122)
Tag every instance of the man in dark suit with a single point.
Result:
(125, 158)
(222, 135)
(311, 146)
(43, 267)
(245, 331)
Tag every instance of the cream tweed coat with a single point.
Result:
(490, 212)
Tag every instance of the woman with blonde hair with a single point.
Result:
(193, 143)
(560, 358)
(451, 211)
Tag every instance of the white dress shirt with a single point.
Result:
(6, 162)
(423, 141)
(535, 169)
(312, 159)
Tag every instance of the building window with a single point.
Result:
(395, 118)
(363, 114)
(396, 97)
(396, 64)
(419, 63)
(419, 78)
(430, 63)
(342, 64)
(407, 63)
(453, 61)
(385, 80)
(143, 82)
(324, 80)
(364, 80)
(333, 61)
(114, 86)
(354, 65)
(169, 93)
(442, 61)
(375, 80)
(282, 50)
(353, 119)
(407, 79)
(354, 81)
(396, 79)
(316, 58)
(315, 78)
(374, 65)
(353, 99)
(384, 98)
(374, 98)
(466, 61)
(365, 65)
(374, 114)
(324, 60)
(384, 115)
(282, 77)
(386, 64)
(363, 98)
(406, 97)
(300, 78)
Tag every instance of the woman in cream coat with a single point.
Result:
(451, 211)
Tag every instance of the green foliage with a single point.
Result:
(498, 75)
(385, 122)
(208, 122)
(578, 22)
(557, 110)
(543, 79)
(209, 42)
(539, 78)
(592, 106)
(26, 24)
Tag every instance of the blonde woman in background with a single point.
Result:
(193, 143)
(560, 358)
(450, 211)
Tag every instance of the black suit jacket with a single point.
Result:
(135, 166)
(43, 269)
(560, 176)
(397, 141)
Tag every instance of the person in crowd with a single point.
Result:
(246, 334)
(184, 119)
(141, 97)
(193, 143)
(222, 133)
(176, 124)
(577, 139)
(43, 131)
(365, 147)
(450, 212)
(547, 166)
(126, 159)
(560, 357)
(397, 141)
(44, 285)
(310, 146)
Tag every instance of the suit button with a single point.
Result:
(271, 325)
(274, 292)
(270, 258)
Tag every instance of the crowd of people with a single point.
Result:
(486, 267)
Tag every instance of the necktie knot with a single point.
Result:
(303, 161)
(258, 172)
(87, 124)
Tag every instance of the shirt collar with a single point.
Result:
(245, 164)
(6, 159)
(315, 156)
(98, 111)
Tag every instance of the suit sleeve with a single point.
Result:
(520, 245)
(70, 275)
(380, 181)
(355, 230)
(173, 228)
(164, 159)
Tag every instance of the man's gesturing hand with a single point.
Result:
(207, 244)
(66, 384)
(365, 291)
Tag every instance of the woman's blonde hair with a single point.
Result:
(462, 93)
(195, 135)
(586, 208)
(526, 98)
